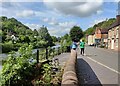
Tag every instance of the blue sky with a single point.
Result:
(59, 17)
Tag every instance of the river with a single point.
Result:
(3, 56)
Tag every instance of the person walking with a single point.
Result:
(74, 45)
(82, 46)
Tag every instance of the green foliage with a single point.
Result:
(7, 47)
(76, 33)
(11, 25)
(108, 23)
(17, 69)
(66, 40)
(54, 39)
(103, 25)
(35, 32)
(23, 34)
(45, 36)
(49, 77)
(0, 32)
(89, 31)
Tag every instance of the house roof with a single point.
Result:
(116, 23)
(104, 31)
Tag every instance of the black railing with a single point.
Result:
(49, 53)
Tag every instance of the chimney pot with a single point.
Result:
(118, 19)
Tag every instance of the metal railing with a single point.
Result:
(49, 53)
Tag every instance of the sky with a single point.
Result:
(59, 16)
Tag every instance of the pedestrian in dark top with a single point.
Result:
(82, 46)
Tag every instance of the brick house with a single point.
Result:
(104, 37)
(101, 36)
(113, 34)
(98, 35)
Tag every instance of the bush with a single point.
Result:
(17, 70)
(17, 46)
(7, 47)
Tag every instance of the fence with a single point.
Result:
(49, 52)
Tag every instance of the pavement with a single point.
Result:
(98, 67)
(62, 58)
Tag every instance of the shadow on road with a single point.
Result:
(85, 74)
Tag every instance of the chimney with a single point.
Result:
(118, 19)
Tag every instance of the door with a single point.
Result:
(112, 44)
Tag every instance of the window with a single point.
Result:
(112, 34)
(117, 33)
(116, 42)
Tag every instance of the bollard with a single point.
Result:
(69, 76)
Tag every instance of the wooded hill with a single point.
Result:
(13, 26)
(22, 34)
(103, 25)
(10, 26)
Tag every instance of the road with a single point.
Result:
(98, 66)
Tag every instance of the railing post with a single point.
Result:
(37, 56)
(53, 51)
(62, 49)
(58, 50)
(46, 53)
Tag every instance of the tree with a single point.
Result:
(66, 40)
(54, 39)
(29, 32)
(45, 36)
(89, 31)
(76, 33)
(102, 25)
(35, 32)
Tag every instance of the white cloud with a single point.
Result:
(62, 28)
(99, 12)
(45, 20)
(56, 0)
(25, 13)
(51, 21)
(116, 0)
(20, 1)
(97, 21)
(33, 26)
(58, 31)
(67, 24)
(81, 9)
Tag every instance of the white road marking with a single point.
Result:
(103, 65)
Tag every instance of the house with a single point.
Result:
(104, 37)
(91, 39)
(101, 36)
(98, 35)
(113, 34)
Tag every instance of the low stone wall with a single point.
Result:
(69, 76)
